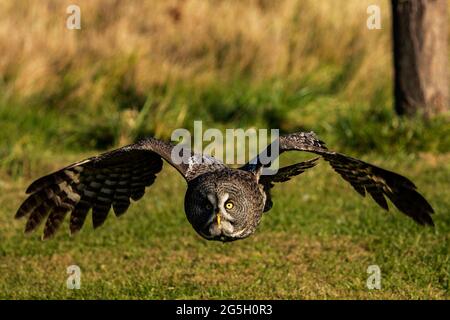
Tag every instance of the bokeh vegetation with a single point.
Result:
(144, 68)
(141, 68)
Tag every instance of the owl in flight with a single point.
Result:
(221, 203)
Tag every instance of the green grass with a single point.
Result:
(317, 242)
(293, 65)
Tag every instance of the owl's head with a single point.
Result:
(225, 205)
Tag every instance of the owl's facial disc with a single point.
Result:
(220, 225)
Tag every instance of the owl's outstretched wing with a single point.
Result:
(98, 183)
(365, 177)
(283, 174)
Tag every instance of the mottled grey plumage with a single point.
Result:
(221, 203)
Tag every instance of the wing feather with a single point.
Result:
(97, 184)
(365, 177)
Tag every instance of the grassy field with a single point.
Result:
(146, 68)
(317, 242)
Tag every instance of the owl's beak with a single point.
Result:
(218, 217)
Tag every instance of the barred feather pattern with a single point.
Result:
(381, 183)
(365, 177)
(98, 183)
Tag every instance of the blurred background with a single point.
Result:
(141, 68)
(138, 68)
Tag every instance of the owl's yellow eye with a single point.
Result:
(229, 205)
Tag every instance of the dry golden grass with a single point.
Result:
(160, 41)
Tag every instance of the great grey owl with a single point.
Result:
(221, 203)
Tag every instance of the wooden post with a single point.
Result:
(420, 34)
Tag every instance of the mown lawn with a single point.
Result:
(317, 242)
